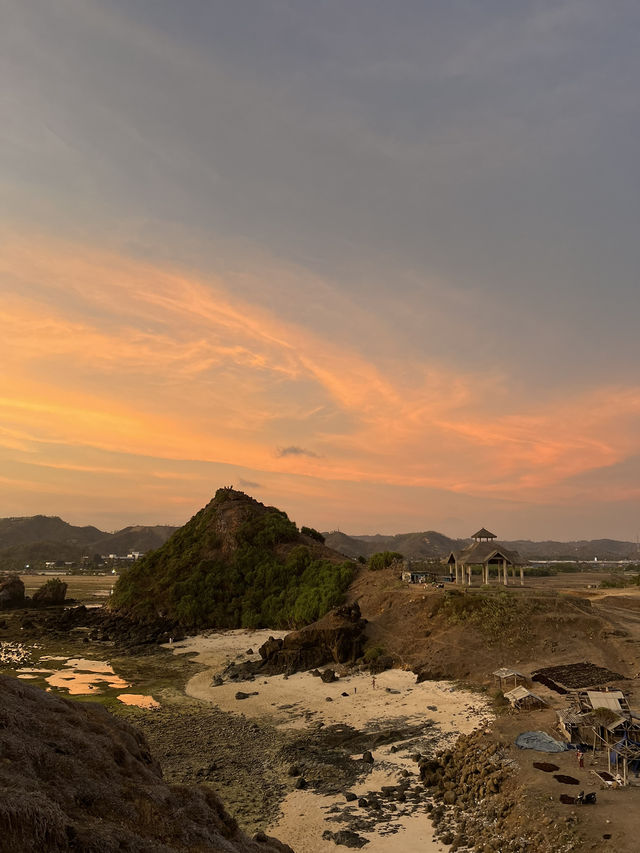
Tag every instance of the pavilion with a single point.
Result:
(484, 552)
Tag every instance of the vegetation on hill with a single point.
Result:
(383, 560)
(236, 564)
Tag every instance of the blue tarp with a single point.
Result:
(540, 741)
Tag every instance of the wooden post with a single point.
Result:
(504, 572)
(521, 575)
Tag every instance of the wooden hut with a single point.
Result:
(485, 553)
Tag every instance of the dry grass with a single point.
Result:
(75, 777)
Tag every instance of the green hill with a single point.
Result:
(236, 563)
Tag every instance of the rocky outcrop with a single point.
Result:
(11, 592)
(76, 778)
(336, 638)
(478, 804)
(50, 594)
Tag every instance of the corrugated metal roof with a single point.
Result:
(610, 700)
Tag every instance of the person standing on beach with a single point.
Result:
(373, 682)
(580, 759)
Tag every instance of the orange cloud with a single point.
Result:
(106, 352)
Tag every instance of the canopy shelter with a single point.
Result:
(483, 535)
(520, 698)
(621, 755)
(484, 553)
(505, 673)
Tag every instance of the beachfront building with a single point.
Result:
(484, 553)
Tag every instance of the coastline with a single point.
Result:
(411, 720)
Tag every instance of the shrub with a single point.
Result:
(383, 560)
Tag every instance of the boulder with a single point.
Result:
(50, 594)
(11, 592)
(328, 676)
(337, 638)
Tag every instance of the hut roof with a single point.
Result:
(610, 700)
(505, 672)
(483, 533)
(520, 693)
(484, 552)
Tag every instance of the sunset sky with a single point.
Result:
(376, 263)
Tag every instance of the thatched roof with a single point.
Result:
(483, 533)
(480, 553)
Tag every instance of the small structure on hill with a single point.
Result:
(524, 699)
(603, 719)
(505, 673)
(484, 553)
(418, 572)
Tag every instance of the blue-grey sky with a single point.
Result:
(380, 259)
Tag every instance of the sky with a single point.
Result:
(373, 263)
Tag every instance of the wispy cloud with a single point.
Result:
(152, 361)
(293, 450)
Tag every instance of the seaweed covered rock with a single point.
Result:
(76, 778)
(50, 594)
(336, 638)
(11, 592)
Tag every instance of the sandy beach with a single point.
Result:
(437, 711)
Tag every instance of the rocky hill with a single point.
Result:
(76, 778)
(42, 538)
(236, 563)
(433, 545)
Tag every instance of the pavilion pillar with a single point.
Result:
(504, 572)
(521, 575)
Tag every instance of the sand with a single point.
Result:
(299, 700)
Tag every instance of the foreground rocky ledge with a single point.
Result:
(74, 777)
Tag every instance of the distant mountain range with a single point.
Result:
(42, 538)
(432, 545)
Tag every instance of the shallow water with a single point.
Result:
(83, 677)
(138, 700)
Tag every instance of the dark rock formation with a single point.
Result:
(76, 778)
(11, 592)
(336, 638)
(50, 594)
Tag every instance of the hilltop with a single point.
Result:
(236, 563)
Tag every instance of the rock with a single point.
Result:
(249, 652)
(328, 676)
(345, 837)
(336, 638)
(367, 757)
(217, 680)
(363, 803)
(344, 694)
(301, 783)
(11, 592)
(50, 594)
(271, 647)
(328, 699)
(241, 695)
(294, 770)
(350, 797)
(315, 673)
(450, 798)
(391, 690)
